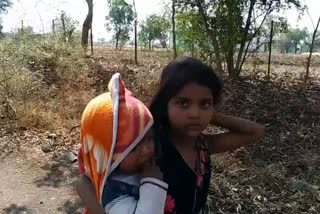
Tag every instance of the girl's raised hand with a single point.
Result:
(241, 132)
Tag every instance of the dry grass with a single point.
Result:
(48, 89)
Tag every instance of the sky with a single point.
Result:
(39, 14)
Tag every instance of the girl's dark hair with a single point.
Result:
(177, 74)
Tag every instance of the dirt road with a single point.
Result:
(36, 182)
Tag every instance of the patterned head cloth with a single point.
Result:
(112, 125)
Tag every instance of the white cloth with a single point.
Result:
(152, 197)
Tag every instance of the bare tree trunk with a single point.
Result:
(244, 38)
(192, 50)
(295, 47)
(213, 36)
(149, 45)
(174, 29)
(87, 24)
(230, 62)
(310, 54)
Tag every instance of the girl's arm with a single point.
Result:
(87, 193)
(241, 132)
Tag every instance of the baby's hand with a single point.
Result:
(152, 170)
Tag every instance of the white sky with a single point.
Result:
(39, 14)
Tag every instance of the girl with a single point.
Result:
(182, 109)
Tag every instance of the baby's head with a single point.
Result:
(139, 156)
(115, 133)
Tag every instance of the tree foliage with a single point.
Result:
(154, 28)
(120, 18)
(308, 40)
(295, 38)
(192, 34)
(232, 24)
(4, 5)
(65, 26)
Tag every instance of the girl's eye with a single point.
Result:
(206, 104)
(183, 103)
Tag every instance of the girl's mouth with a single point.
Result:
(194, 127)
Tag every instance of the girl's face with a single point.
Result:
(191, 110)
(143, 153)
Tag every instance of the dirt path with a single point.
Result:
(36, 182)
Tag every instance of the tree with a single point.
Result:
(296, 36)
(280, 25)
(87, 25)
(1, 27)
(211, 33)
(65, 25)
(120, 17)
(173, 22)
(192, 33)
(4, 5)
(292, 38)
(27, 30)
(317, 42)
(154, 28)
(135, 33)
(102, 41)
(308, 40)
(310, 52)
(232, 24)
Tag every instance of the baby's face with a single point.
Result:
(139, 156)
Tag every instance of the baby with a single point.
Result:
(116, 158)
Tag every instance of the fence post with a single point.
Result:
(53, 27)
(270, 47)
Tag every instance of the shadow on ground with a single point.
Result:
(58, 170)
(15, 209)
(71, 207)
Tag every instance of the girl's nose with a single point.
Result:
(194, 111)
